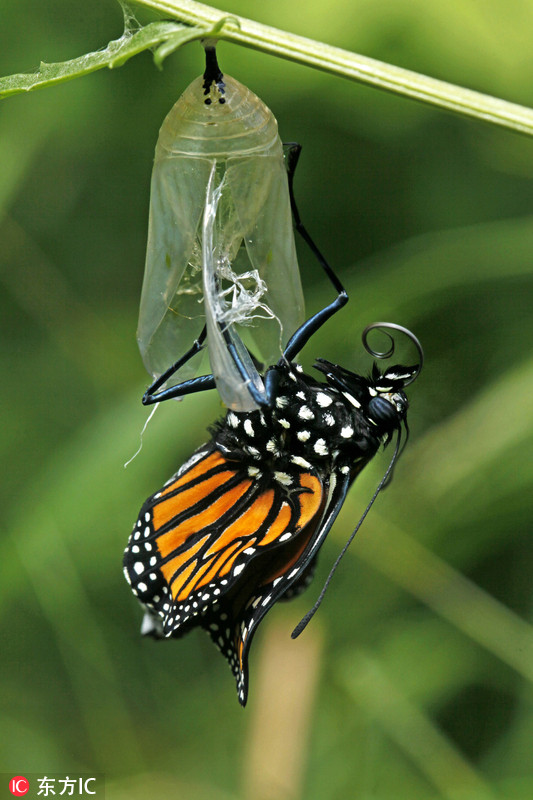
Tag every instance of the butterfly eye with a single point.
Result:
(383, 412)
(219, 205)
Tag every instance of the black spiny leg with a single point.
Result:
(300, 338)
(200, 384)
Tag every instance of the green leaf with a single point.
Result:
(114, 55)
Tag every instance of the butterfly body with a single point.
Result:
(240, 524)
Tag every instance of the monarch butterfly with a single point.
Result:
(220, 241)
(239, 526)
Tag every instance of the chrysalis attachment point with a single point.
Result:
(213, 77)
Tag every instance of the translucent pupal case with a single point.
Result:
(220, 240)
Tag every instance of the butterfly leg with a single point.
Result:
(199, 384)
(310, 326)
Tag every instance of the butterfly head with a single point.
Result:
(380, 397)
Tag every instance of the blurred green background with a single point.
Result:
(414, 680)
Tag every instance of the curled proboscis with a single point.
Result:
(385, 327)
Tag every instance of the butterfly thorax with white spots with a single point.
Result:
(311, 425)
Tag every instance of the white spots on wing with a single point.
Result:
(253, 472)
(329, 419)
(372, 392)
(283, 478)
(293, 573)
(345, 470)
(303, 436)
(272, 446)
(284, 423)
(233, 420)
(267, 600)
(305, 413)
(282, 402)
(347, 432)
(249, 551)
(285, 537)
(301, 395)
(138, 567)
(135, 548)
(127, 575)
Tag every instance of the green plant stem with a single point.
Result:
(349, 65)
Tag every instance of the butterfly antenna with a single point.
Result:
(310, 614)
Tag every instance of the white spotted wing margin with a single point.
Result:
(234, 619)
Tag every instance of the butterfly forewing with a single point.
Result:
(211, 523)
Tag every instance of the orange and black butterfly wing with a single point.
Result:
(195, 537)
(166, 561)
(220, 544)
(278, 573)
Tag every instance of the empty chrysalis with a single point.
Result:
(221, 247)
